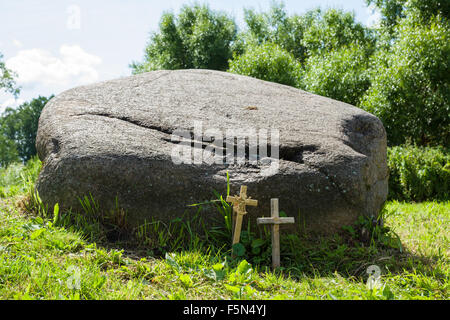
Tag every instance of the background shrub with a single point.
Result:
(268, 62)
(339, 74)
(196, 38)
(18, 177)
(419, 173)
(410, 89)
(18, 130)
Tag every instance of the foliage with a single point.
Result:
(374, 232)
(410, 87)
(340, 74)
(8, 151)
(42, 255)
(41, 258)
(19, 126)
(43, 249)
(393, 11)
(198, 38)
(419, 173)
(268, 62)
(18, 178)
(404, 79)
(426, 9)
(7, 81)
(334, 29)
(277, 27)
(399, 72)
(314, 33)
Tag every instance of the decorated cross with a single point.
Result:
(239, 204)
(275, 221)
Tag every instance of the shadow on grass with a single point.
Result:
(302, 255)
(348, 253)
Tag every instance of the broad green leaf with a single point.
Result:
(239, 249)
(244, 267)
(37, 233)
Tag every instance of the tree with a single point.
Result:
(393, 11)
(8, 151)
(268, 62)
(334, 29)
(411, 83)
(398, 71)
(7, 82)
(333, 48)
(19, 126)
(313, 33)
(341, 74)
(198, 38)
(277, 27)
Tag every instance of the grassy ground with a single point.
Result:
(58, 257)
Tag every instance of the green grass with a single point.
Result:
(60, 257)
(17, 178)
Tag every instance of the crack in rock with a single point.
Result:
(128, 120)
(287, 153)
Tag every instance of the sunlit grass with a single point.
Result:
(53, 258)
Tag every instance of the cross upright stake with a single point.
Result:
(239, 204)
(275, 221)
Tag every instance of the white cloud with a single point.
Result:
(374, 18)
(37, 67)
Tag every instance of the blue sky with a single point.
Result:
(56, 45)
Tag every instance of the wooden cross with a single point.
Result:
(275, 221)
(239, 203)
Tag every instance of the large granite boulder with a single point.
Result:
(114, 139)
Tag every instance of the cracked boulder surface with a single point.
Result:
(113, 140)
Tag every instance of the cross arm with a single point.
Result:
(231, 199)
(270, 220)
(248, 202)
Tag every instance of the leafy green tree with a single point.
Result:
(391, 11)
(315, 32)
(20, 127)
(334, 29)
(8, 151)
(198, 38)
(277, 27)
(331, 45)
(268, 62)
(341, 74)
(7, 82)
(399, 72)
(394, 10)
(426, 9)
(410, 83)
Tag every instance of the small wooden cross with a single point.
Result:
(275, 221)
(239, 203)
